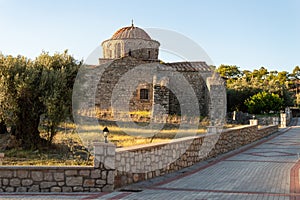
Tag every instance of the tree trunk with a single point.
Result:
(3, 128)
(27, 132)
(26, 127)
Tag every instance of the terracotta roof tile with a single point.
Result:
(131, 32)
(189, 66)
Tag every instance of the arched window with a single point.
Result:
(118, 49)
(144, 94)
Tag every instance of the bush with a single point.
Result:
(264, 102)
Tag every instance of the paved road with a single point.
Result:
(268, 169)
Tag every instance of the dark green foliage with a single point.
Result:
(242, 85)
(229, 71)
(237, 97)
(30, 90)
(3, 128)
(264, 102)
(58, 76)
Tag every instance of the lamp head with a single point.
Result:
(105, 134)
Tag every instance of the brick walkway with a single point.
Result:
(268, 169)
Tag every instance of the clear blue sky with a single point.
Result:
(247, 33)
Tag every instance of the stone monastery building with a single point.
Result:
(134, 78)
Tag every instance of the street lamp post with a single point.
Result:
(105, 134)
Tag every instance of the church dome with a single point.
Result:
(130, 41)
(130, 32)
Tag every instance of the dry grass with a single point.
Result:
(61, 153)
(128, 136)
(69, 147)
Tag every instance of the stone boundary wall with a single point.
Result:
(143, 162)
(268, 129)
(97, 178)
(115, 168)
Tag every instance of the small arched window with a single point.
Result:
(144, 94)
(129, 52)
(118, 49)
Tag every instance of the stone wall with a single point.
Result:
(267, 129)
(120, 82)
(218, 104)
(147, 161)
(138, 48)
(119, 167)
(138, 104)
(111, 77)
(197, 83)
(97, 178)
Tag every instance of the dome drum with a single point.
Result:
(131, 41)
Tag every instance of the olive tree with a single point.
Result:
(59, 73)
(31, 89)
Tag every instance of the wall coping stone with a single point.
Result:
(103, 144)
(238, 128)
(267, 127)
(158, 144)
(45, 167)
(178, 140)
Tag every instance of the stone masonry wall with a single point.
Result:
(113, 82)
(97, 178)
(119, 167)
(138, 48)
(158, 80)
(144, 162)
